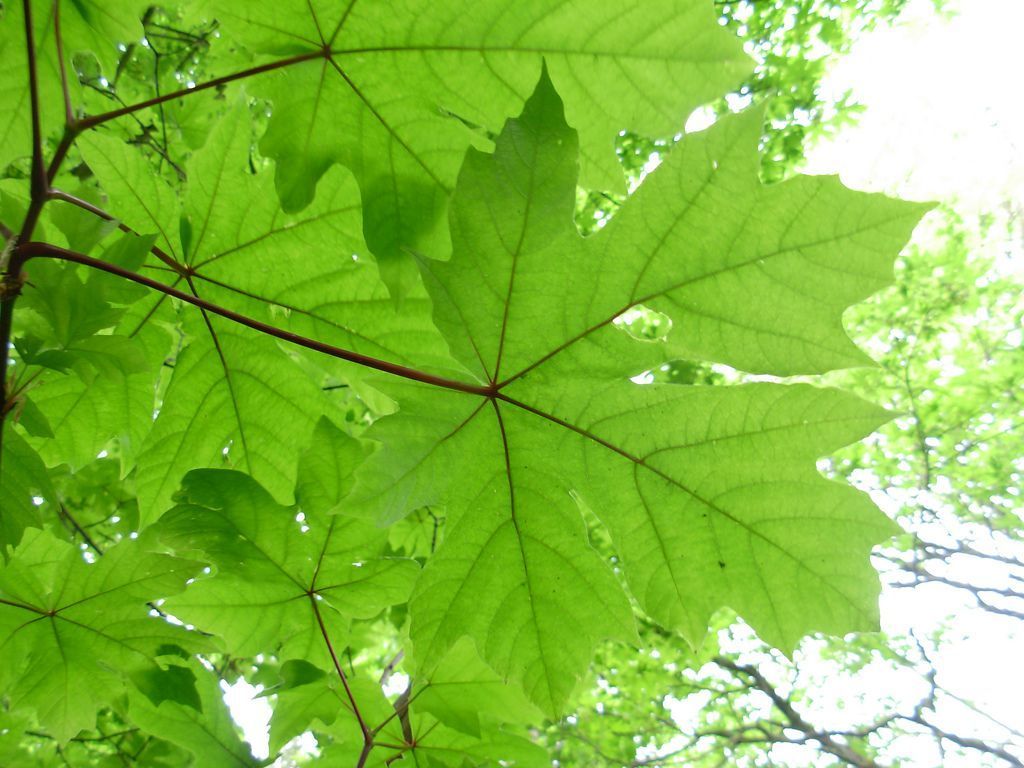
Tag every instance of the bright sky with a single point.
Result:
(944, 121)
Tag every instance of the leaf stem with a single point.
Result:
(69, 116)
(66, 514)
(363, 727)
(85, 205)
(31, 250)
(93, 120)
(23, 606)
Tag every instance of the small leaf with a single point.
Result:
(206, 730)
(172, 683)
(23, 480)
(275, 582)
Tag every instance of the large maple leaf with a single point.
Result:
(710, 494)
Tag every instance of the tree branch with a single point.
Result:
(39, 182)
(45, 250)
(94, 120)
(10, 267)
(795, 720)
(966, 741)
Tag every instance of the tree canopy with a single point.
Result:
(342, 357)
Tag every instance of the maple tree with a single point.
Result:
(359, 373)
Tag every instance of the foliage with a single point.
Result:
(320, 391)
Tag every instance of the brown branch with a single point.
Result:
(966, 742)
(11, 278)
(31, 250)
(794, 719)
(70, 134)
(966, 549)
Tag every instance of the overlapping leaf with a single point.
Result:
(107, 387)
(710, 494)
(71, 632)
(408, 86)
(206, 730)
(24, 480)
(308, 699)
(277, 580)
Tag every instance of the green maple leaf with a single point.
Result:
(308, 698)
(710, 493)
(307, 273)
(269, 569)
(462, 691)
(71, 631)
(408, 87)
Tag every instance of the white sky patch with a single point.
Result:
(396, 684)
(251, 714)
(943, 120)
(944, 117)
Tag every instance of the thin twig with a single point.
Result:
(66, 514)
(94, 120)
(69, 117)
